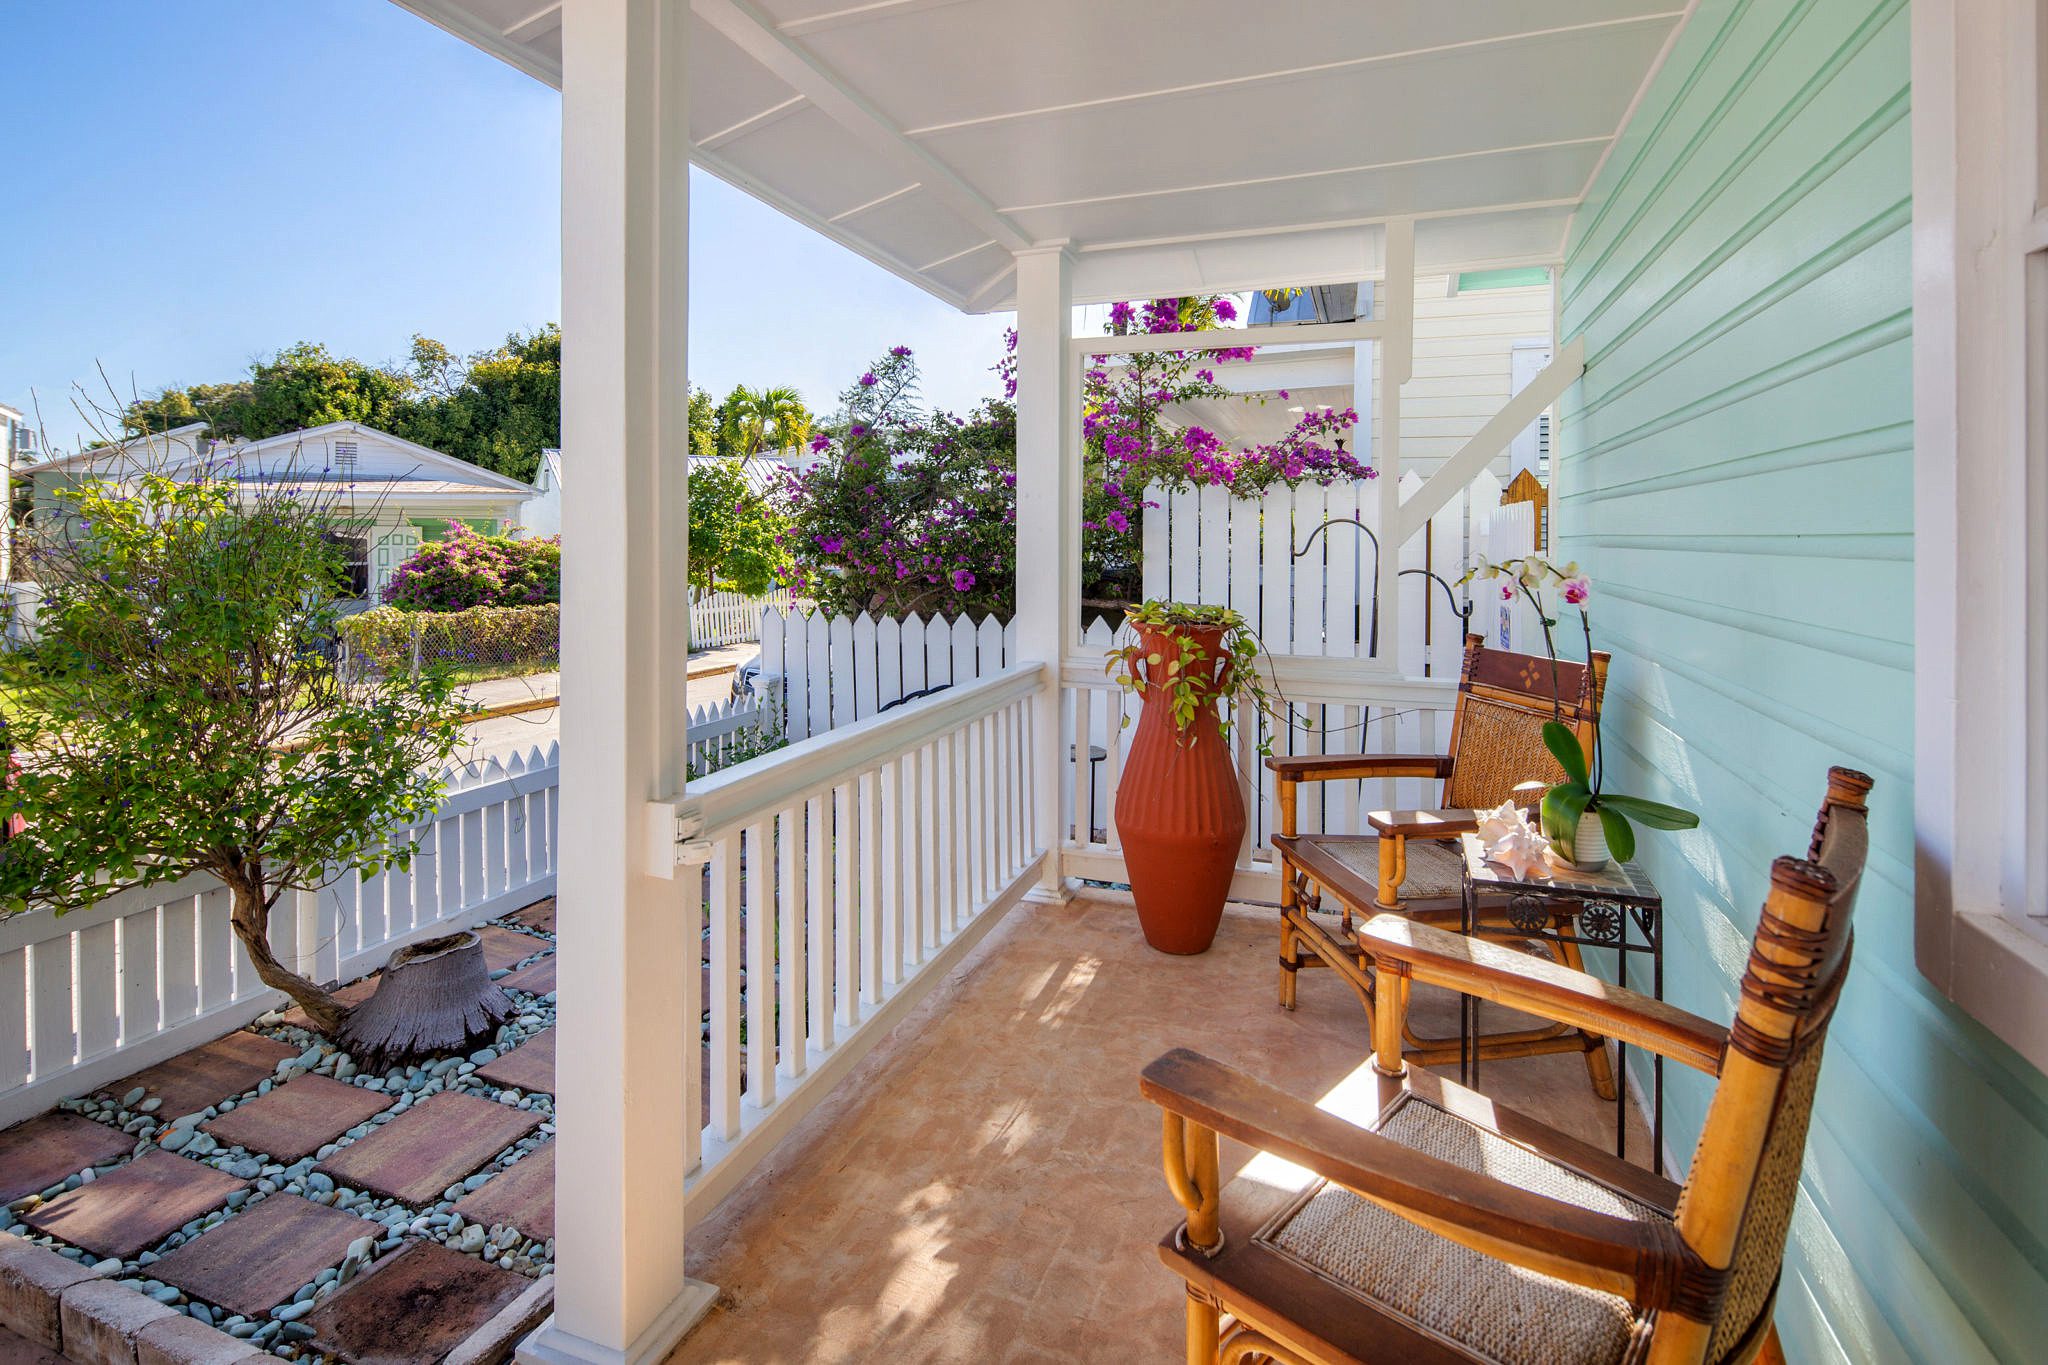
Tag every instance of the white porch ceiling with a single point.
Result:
(1173, 144)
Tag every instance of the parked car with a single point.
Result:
(746, 679)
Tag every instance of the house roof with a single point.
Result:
(432, 467)
(1251, 146)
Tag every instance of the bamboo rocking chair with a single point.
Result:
(1409, 1219)
(1410, 862)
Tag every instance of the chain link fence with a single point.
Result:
(480, 643)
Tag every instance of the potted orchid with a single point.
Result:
(1585, 824)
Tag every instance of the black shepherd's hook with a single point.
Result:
(1463, 613)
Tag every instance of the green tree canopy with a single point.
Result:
(498, 408)
(735, 532)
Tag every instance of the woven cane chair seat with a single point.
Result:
(1436, 868)
(1493, 1310)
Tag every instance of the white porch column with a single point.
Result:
(629, 973)
(1048, 518)
(1397, 361)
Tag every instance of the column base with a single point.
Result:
(1050, 893)
(550, 1345)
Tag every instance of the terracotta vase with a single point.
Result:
(1178, 810)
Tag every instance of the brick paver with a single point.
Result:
(415, 1306)
(136, 1206)
(259, 1258)
(522, 1195)
(508, 947)
(207, 1075)
(437, 1142)
(298, 1118)
(16, 1350)
(540, 915)
(38, 1154)
(538, 979)
(530, 1066)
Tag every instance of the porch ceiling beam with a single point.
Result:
(1320, 173)
(1287, 334)
(548, 16)
(745, 25)
(1490, 440)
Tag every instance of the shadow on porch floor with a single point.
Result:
(986, 1186)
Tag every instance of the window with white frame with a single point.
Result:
(1980, 214)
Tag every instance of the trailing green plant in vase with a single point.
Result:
(1585, 824)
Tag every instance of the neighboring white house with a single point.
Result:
(403, 493)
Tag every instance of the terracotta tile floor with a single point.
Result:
(986, 1186)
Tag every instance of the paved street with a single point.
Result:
(710, 681)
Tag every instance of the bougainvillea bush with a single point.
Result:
(913, 511)
(467, 569)
(905, 511)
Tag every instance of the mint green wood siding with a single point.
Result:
(1736, 474)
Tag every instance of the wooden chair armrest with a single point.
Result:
(1423, 824)
(1337, 767)
(1619, 1255)
(1475, 967)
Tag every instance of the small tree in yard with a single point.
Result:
(181, 712)
(735, 532)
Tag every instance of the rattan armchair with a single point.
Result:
(1409, 1219)
(1410, 860)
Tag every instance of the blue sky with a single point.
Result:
(197, 185)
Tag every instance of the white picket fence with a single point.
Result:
(729, 618)
(835, 670)
(847, 876)
(718, 729)
(89, 997)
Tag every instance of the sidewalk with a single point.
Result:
(710, 679)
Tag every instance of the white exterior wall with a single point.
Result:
(1464, 359)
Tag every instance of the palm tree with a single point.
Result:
(757, 420)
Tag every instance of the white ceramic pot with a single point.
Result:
(1588, 852)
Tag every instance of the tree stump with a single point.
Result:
(435, 997)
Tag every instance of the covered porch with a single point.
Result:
(1730, 350)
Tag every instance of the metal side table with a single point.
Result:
(1602, 908)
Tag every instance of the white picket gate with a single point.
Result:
(89, 997)
(1298, 564)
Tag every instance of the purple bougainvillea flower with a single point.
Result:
(820, 443)
(962, 580)
(899, 351)
(1577, 590)
(868, 380)
(857, 430)
(1118, 522)
(1226, 310)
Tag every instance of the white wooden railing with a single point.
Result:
(847, 874)
(87, 998)
(1334, 708)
